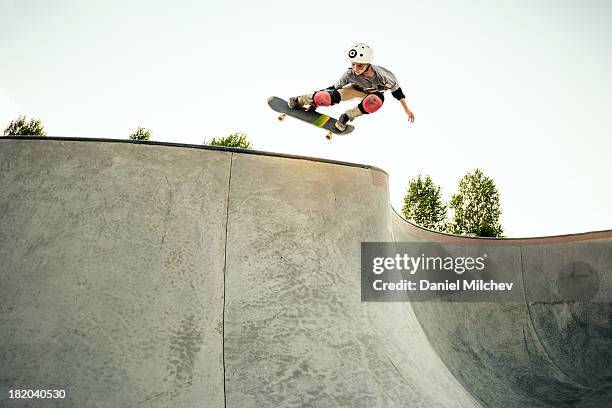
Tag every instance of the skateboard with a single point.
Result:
(314, 118)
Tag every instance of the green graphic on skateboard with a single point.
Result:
(313, 117)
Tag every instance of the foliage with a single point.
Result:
(237, 139)
(141, 134)
(23, 127)
(423, 204)
(476, 207)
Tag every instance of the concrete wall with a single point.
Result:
(143, 274)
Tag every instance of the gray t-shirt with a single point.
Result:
(383, 80)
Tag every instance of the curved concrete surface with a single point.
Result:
(155, 275)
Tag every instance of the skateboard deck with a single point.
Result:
(314, 118)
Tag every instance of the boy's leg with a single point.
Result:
(325, 97)
(369, 104)
(300, 101)
(349, 92)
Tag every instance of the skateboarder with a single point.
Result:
(364, 81)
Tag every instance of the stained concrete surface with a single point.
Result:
(145, 274)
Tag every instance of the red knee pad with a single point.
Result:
(372, 103)
(322, 98)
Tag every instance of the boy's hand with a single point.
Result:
(410, 115)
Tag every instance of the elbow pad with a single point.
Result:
(398, 94)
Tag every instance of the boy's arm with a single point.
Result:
(399, 95)
(344, 80)
(396, 91)
(407, 110)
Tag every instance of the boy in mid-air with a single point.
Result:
(364, 81)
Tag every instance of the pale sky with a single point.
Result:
(521, 89)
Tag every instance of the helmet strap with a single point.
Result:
(365, 70)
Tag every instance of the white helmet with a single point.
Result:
(361, 54)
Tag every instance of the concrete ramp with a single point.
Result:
(156, 275)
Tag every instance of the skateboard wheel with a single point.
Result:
(281, 117)
(329, 135)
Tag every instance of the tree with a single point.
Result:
(141, 134)
(423, 204)
(23, 127)
(476, 207)
(237, 139)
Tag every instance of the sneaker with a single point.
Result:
(293, 102)
(341, 122)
